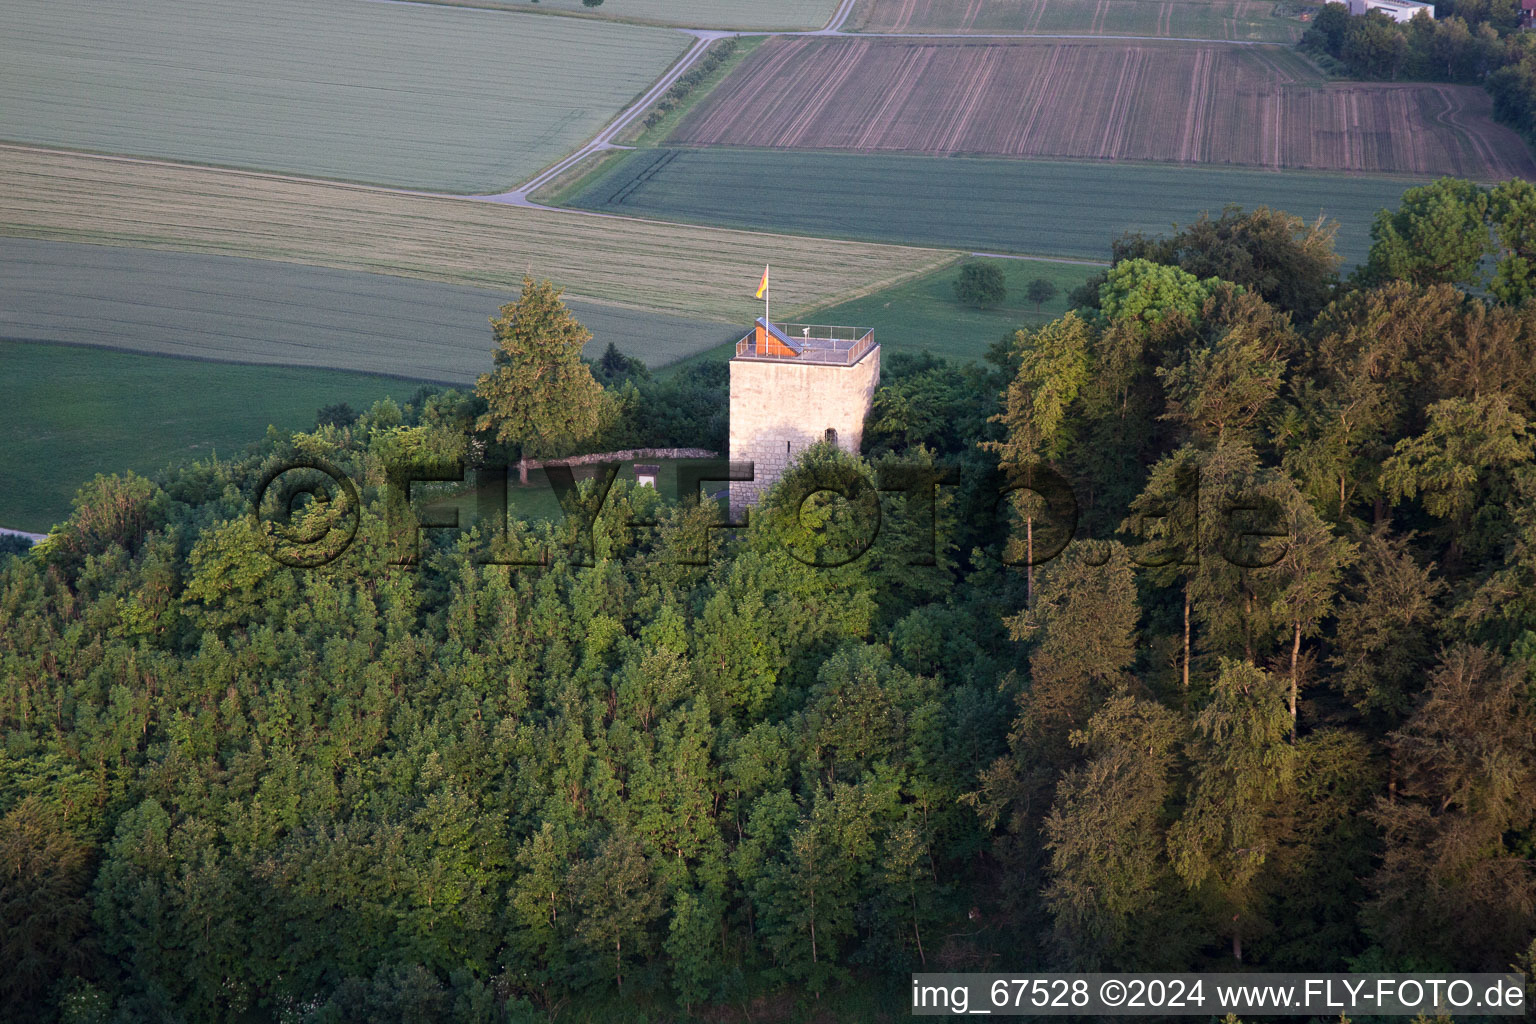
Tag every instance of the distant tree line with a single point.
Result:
(1273, 703)
(720, 52)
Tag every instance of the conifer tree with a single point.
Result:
(1053, 366)
(1456, 883)
(1112, 894)
(1234, 820)
(540, 396)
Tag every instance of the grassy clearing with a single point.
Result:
(692, 272)
(779, 15)
(468, 101)
(1255, 20)
(287, 314)
(922, 315)
(71, 413)
(1035, 207)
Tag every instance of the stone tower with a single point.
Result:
(793, 385)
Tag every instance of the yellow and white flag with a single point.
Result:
(763, 285)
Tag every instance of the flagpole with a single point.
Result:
(767, 293)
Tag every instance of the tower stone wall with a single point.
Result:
(780, 407)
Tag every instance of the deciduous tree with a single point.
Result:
(981, 284)
(1040, 291)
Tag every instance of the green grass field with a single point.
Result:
(1035, 207)
(718, 14)
(141, 412)
(71, 413)
(423, 96)
(288, 314)
(923, 315)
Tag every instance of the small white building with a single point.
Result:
(1397, 10)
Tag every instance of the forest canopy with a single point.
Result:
(1273, 703)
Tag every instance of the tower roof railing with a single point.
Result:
(824, 344)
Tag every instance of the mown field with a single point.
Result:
(1173, 102)
(1037, 207)
(778, 15)
(1180, 19)
(693, 272)
(423, 96)
(70, 413)
(287, 314)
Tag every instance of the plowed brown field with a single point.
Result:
(1167, 102)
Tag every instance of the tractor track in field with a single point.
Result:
(703, 38)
